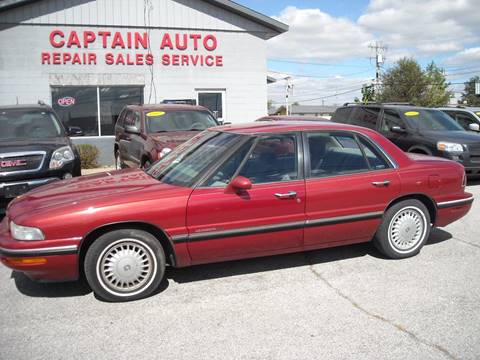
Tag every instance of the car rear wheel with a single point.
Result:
(124, 265)
(404, 230)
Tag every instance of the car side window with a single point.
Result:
(375, 159)
(223, 175)
(391, 118)
(137, 119)
(273, 159)
(129, 119)
(366, 117)
(464, 120)
(121, 118)
(342, 115)
(335, 153)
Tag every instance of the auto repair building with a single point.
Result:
(90, 58)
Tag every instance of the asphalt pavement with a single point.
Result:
(340, 303)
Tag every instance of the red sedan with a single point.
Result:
(232, 192)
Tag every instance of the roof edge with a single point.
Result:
(229, 5)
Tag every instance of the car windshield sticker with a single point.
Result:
(155, 113)
(411, 113)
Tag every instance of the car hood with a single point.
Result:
(110, 187)
(172, 138)
(50, 144)
(463, 137)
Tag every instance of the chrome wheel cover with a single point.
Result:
(126, 267)
(407, 229)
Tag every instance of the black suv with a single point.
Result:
(417, 130)
(34, 150)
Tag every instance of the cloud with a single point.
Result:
(427, 26)
(317, 35)
(467, 56)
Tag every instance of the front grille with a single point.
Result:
(21, 162)
(474, 153)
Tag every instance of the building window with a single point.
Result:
(214, 100)
(93, 109)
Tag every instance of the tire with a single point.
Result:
(404, 230)
(124, 253)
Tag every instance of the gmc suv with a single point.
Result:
(34, 150)
(146, 133)
(417, 130)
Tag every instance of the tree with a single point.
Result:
(281, 110)
(468, 94)
(407, 82)
(436, 92)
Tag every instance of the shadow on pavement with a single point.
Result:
(51, 290)
(224, 269)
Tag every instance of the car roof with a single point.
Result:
(287, 126)
(26, 107)
(291, 118)
(388, 106)
(461, 108)
(167, 107)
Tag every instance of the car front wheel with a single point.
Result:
(404, 230)
(124, 265)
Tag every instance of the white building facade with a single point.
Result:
(89, 58)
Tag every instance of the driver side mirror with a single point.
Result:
(397, 129)
(74, 131)
(240, 183)
(474, 127)
(132, 129)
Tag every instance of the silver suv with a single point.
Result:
(466, 117)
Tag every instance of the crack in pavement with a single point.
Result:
(466, 242)
(377, 316)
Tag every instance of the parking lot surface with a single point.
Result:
(346, 302)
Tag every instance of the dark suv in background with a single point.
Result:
(146, 133)
(417, 130)
(34, 150)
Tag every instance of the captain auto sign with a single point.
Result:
(131, 48)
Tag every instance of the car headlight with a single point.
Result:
(449, 147)
(20, 232)
(164, 152)
(61, 156)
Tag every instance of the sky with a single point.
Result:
(326, 51)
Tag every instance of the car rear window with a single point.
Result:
(366, 117)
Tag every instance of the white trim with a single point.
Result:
(99, 119)
(459, 201)
(92, 137)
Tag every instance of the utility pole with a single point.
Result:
(379, 60)
(288, 89)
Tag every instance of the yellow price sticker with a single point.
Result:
(411, 113)
(155, 113)
(478, 113)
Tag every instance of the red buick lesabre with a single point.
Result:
(232, 192)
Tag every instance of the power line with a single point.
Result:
(318, 76)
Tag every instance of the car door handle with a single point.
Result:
(381, 183)
(289, 195)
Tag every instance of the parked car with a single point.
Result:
(467, 117)
(34, 150)
(146, 133)
(417, 130)
(228, 193)
(291, 118)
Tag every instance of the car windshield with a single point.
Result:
(424, 119)
(188, 161)
(28, 124)
(178, 120)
